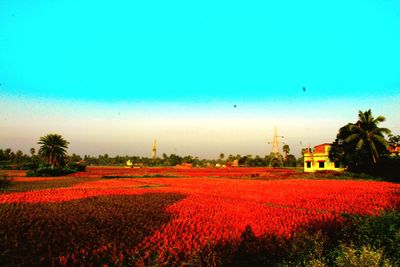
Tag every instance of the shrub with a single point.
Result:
(381, 232)
(365, 256)
(48, 171)
(77, 166)
(29, 166)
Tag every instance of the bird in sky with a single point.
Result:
(304, 89)
(234, 106)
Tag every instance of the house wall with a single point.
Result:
(319, 154)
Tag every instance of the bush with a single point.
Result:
(365, 256)
(380, 232)
(48, 171)
(79, 167)
(5, 180)
(7, 167)
(29, 166)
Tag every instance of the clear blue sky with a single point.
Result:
(155, 61)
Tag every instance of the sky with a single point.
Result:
(201, 77)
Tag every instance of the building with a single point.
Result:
(317, 159)
(394, 151)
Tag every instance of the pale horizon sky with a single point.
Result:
(112, 76)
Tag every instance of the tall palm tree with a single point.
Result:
(53, 149)
(286, 150)
(366, 134)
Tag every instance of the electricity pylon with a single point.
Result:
(275, 156)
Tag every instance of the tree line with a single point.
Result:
(10, 159)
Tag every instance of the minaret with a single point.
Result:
(154, 150)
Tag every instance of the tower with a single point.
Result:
(275, 142)
(275, 156)
(154, 150)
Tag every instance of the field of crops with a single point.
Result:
(172, 216)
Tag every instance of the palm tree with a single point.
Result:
(53, 149)
(221, 157)
(286, 150)
(32, 150)
(367, 135)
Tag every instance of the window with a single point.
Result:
(321, 164)
(337, 164)
(308, 164)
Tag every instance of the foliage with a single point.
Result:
(12, 160)
(31, 165)
(364, 256)
(381, 232)
(286, 151)
(46, 171)
(360, 145)
(53, 149)
(290, 161)
(77, 166)
(394, 140)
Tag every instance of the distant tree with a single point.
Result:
(75, 158)
(248, 160)
(175, 160)
(32, 150)
(187, 159)
(8, 154)
(286, 151)
(221, 157)
(242, 160)
(53, 149)
(394, 140)
(18, 158)
(290, 161)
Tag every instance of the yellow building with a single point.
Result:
(317, 159)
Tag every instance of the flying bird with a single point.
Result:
(234, 106)
(304, 89)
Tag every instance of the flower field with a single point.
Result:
(174, 217)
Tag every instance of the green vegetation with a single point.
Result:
(362, 148)
(53, 150)
(362, 241)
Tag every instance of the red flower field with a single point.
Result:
(170, 216)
